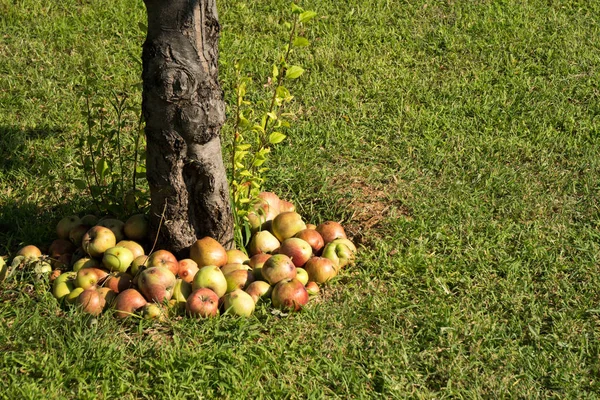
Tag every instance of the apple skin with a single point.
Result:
(137, 227)
(60, 251)
(71, 298)
(331, 230)
(277, 268)
(117, 259)
(263, 242)
(258, 290)
(187, 269)
(139, 264)
(134, 247)
(302, 275)
(289, 294)
(63, 284)
(157, 284)
(311, 226)
(286, 206)
(207, 251)
(29, 251)
(320, 269)
(313, 238)
(163, 258)
(90, 277)
(91, 302)
(128, 302)
(119, 282)
(86, 262)
(202, 303)
(76, 234)
(300, 251)
(181, 292)
(115, 225)
(339, 253)
(97, 240)
(287, 224)
(108, 295)
(238, 279)
(210, 277)
(239, 303)
(234, 267)
(347, 243)
(235, 256)
(256, 262)
(65, 225)
(153, 311)
(312, 288)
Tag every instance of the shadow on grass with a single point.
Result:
(14, 142)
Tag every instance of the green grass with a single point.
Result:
(458, 142)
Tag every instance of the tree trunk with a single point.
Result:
(184, 110)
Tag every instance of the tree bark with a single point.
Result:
(184, 110)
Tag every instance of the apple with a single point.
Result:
(302, 275)
(42, 269)
(277, 268)
(163, 258)
(153, 311)
(210, 277)
(117, 259)
(65, 225)
(134, 247)
(140, 263)
(238, 279)
(331, 230)
(258, 290)
(207, 251)
(347, 243)
(60, 248)
(187, 269)
(91, 302)
(269, 202)
(97, 240)
(89, 220)
(234, 267)
(137, 227)
(90, 277)
(235, 256)
(29, 251)
(300, 251)
(71, 298)
(289, 294)
(119, 282)
(108, 295)
(202, 303)
(320, 269)
(339, 253)
(239, 303)
(285, 206)
(181, 292)
(53, 275)
(76, 234)
(128, 302)
(78, 254)
(287, 224)
(311, 226)
(115, 225)
(256, 262)
(263, 242)
(313, 238)
(312, 288)
(157, 284)
(63, 284)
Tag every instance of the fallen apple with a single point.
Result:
(156, 284)
(117, 259)
(97, 240)
(91, 302)
(235, 256)
(331, 230)
(239, 303)
(137, 227)
(202, 303)
(210, 277)
(115, 225)
(287, 224)
(263, 242)
(29, 251)
(313, 238)
(320, 269)
(277, 268)
(133, 246)
(128, 302)
(163, 258)
(65, 225)
(187, 269)
(207, 251)
(258, 290)
(289, 294)
(298, 250)
(119, 282)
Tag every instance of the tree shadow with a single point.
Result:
(14, 141)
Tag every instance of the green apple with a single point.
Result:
(239, 303)
(302, 275)
(117, 259)
(137, 227)
(89, 277)
(258, 290)
(65, 225)
(3, 269)
(86, 262)
(71, 298)
(287, 224)
(116, 226)
(263, 242)
(181, 292)
(63, 284)
(97, 240)
(210, 277)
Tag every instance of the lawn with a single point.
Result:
(456, 140)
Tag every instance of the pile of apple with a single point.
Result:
(101, 264)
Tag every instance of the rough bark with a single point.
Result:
(184, 110)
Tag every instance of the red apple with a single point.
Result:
(312, 288)
(91, 302)
(108, 295)
(187, 269)
(128, 302)
(277, 268)
(289, 294)
(285, 206)
(297, 249)
(156, 284)
(331, 230)
(320, 269)
(119, 282)
(207, 251)
(313, 238)
(203, 303)
(97, 240)
(287, 224)
(163, 258)
(76, 234)
(134, 247)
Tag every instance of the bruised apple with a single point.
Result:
(156, 284)
(128, 302)
(289, 294)
(277, 268)
(187, 269)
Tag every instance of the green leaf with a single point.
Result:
(307, 16)
(102, 168)
(272, 115)
(294, 72)
(282, 92)
(296, 9)
(275, 72)
(301, 42)
(80, 184)
(276, 137)
(258, 163)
